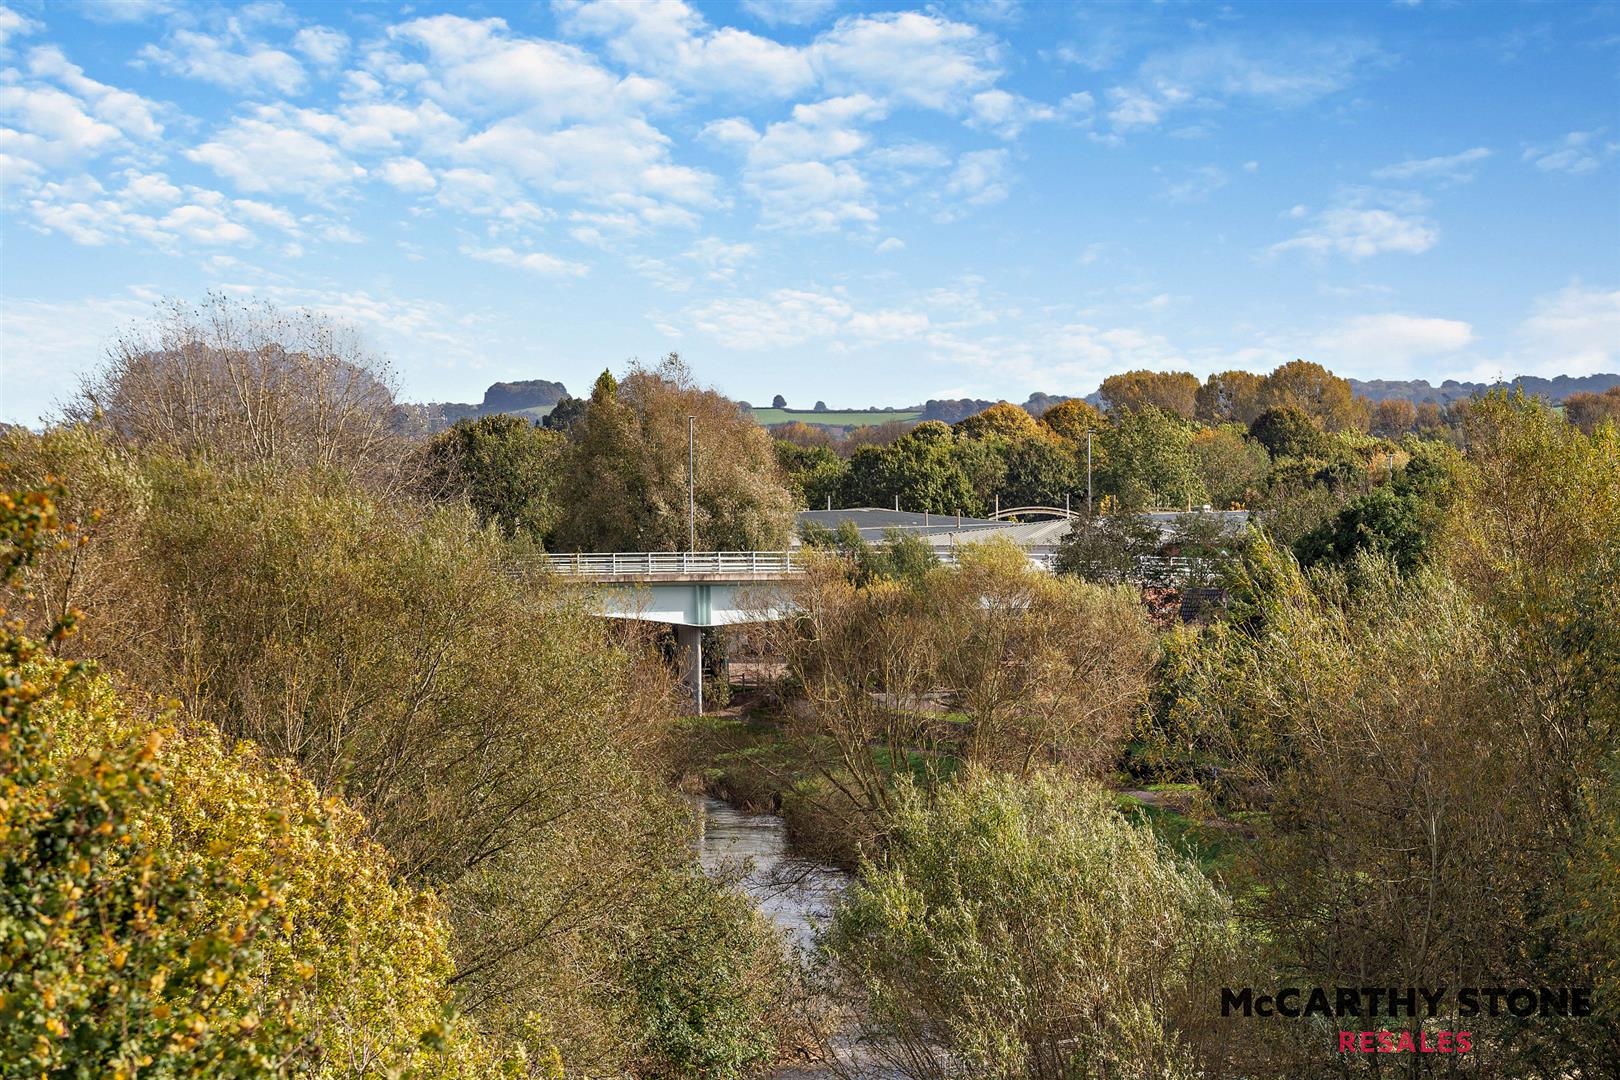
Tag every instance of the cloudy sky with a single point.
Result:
(866, 204)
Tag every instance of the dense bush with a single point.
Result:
(506, 747)
(173, 907)
(1024, 929)
(1453, 726)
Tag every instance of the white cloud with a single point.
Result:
(269, 151)
(262, 213)
(149, 187)
(228, 60)
(544, 115)
(534, 261)
(124, 11)
(980, 177)
(920, 59)
(46, 127)
(1457, 168)
(479, 67)
(608, 161)
(204, 225)
(718, 258)
(151, 208)
(13, 25)
(380, 126)
(408, 174)
(788, 317)
(130, 113)
(1576, 153)
(1284, 73)
(1575, 331)
(671, 40)
(1358, 231)
(1374, 341)
(800, 169)
(1007, 114)
(322, 46)
(892, 243)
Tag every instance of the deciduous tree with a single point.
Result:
(1173, 391)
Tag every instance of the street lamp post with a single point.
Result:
(691, 483)
(1088, 474)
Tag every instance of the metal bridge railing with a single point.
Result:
(743, 565)
(653, 564)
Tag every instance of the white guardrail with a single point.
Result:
(752, 564)
(612, 564)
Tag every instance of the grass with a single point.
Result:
(1213, 849)
(842, 418)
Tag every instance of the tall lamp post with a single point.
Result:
(1088, 474)
(690, 638)
(691, 483)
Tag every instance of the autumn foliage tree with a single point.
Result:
(247, 382)
(627, 464)
(1173, 391)
(172, 907)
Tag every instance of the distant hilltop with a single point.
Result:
(535, 398)
(1417, 391)
(529, 397)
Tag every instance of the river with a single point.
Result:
(796, 894)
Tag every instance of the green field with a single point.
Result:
(845, 418)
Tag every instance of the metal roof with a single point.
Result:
(948, 530)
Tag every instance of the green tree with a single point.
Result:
(1229, 397)
(170, 907)
(1041, 471)
(1148, 461)
(899, 557)
(565, 414)
(626, 470)
(1288, 431)
(1231, 465)
(1022, 928)
(505, 467)
(929, 468)
(1108, 548)
(506, 745)
(812, 473)
(1316, 391)
(1399, 520)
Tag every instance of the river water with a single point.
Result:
(796, 894)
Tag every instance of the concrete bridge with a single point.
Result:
(690, 590)
(695, 590)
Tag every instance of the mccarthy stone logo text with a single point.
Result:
(1414, 1002)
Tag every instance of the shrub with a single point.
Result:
(1026, 929)
(173, 907)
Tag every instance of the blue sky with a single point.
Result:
(868, 204)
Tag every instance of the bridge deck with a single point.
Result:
(633, 566)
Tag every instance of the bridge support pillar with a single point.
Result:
(689, 644)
